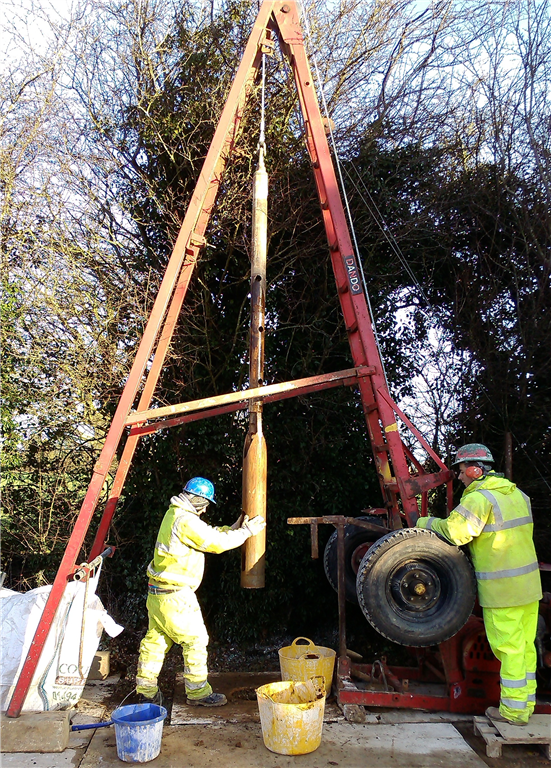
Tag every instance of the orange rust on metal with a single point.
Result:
(316, 386)
(246, 394)
(314, 539)
(254, 503)
(413, 486)
(337, 520)
(255, 456)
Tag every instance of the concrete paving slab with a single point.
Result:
(71, 756)
(79, 739)
(67, 759)
(35, 731)
(245, 713)
(396, 716)
(242, 707)
(238, 687)
(240, 745)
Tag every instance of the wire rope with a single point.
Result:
(382, 224)
(344, 193)
(380, 221)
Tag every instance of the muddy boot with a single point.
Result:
(213, 700)
(493, 713)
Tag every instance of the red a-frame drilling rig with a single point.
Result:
(417, 576)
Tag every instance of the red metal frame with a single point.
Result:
(393, 459)
(461, 675)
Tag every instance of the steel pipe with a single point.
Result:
(255, 458)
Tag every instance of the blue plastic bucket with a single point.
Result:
(138, 731)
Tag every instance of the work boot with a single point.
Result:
(212, 700)
(494, 714)
(139, 698)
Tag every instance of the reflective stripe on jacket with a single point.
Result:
(182, 539)
(494, 518)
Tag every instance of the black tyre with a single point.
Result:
(415, 588)
(356, 543)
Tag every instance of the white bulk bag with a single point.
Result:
(58, 680)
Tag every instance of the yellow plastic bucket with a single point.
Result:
(301, 662)
(291, 715)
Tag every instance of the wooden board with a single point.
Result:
(496, 734)
(538, 730)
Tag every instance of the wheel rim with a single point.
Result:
(414, 587)
(357, 555)
(357, 541)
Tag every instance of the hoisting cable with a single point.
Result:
(343, 188)
(396, 248)
(385, 231)
(379, 219)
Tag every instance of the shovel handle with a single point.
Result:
(91, 725)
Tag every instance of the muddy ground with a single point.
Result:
(232, 657)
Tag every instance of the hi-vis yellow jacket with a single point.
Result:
(182, 539)
(494, 518)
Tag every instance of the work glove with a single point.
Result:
(238, 523)
(254, 525)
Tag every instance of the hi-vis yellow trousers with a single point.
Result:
(511, 633)
(174, 618)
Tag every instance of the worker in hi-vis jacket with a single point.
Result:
(174, 574)
(494, 518)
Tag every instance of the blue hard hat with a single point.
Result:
(200, 486)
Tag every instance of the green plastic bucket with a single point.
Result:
(138, 731)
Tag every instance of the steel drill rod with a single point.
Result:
(255, 452)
